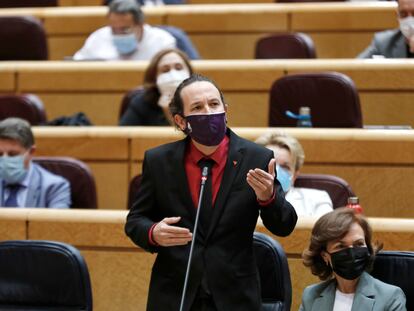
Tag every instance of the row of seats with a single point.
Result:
(45, 275)
(24, 38)
(49, 3)
(337, 188)
(83, 188)
(332, 98)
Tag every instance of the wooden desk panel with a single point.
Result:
(226, 46)
(227, 1)
(7, 79)
(101, 108)
(79, 227)
(120, 279)
(351, 16)
(381, 108)
(229, 31)
(375, 186)
(112, 181)
(239, 18)
(120, 271)
(106, 154)
(87, 143)
(62, 47)
(13, 224)
(340, 44)
(239, 112)
(79, 76)
(96, 88)
(370, 160)
(79, 2)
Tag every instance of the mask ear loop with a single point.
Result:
(188, 128)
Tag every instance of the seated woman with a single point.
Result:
(340, 253)
(164, 73)
(290, 157)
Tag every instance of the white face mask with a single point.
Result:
(407, 26)
(167, 82)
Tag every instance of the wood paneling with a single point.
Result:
(120, 280)
(79, 2)
(248, 18)
(101, 108)
(340, 44)
(336, 16)
(372, 161)
(96, 88)
(82, 143)
(13, 224)
(79, 77)
(112, 180)
(7, 79)
(382, 108)
(228, 31)
(120, 271)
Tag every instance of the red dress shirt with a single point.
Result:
(193, 171)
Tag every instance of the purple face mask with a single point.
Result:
(207, 129)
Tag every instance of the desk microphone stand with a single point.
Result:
(204, 175)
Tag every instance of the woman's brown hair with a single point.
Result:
(330, 227)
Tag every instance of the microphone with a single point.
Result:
(204, 176)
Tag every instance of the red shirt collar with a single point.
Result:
(196, 155)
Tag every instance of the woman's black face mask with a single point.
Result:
(349, 263)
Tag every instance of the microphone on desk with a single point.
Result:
(204, 176)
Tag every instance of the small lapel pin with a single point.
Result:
(234, 163)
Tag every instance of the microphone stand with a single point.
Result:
(204, 175)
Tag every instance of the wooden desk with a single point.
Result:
(96, 88)
(377, 163)
(120, 271)
(230, 31)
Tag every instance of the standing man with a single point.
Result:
(223, 274)
(395, 43)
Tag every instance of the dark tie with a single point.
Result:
(12, 198)
(207, 202)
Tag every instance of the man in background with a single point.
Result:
(22, 182)
(126, 37)
(395, 43)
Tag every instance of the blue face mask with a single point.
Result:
(12, 169)
(284, 177)
(125, 44)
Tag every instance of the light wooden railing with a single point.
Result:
(120, 271)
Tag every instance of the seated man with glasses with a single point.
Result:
(126, 37)
(22, 182)
(395, 43)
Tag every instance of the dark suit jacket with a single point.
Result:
(388, 43)
(225, 252)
